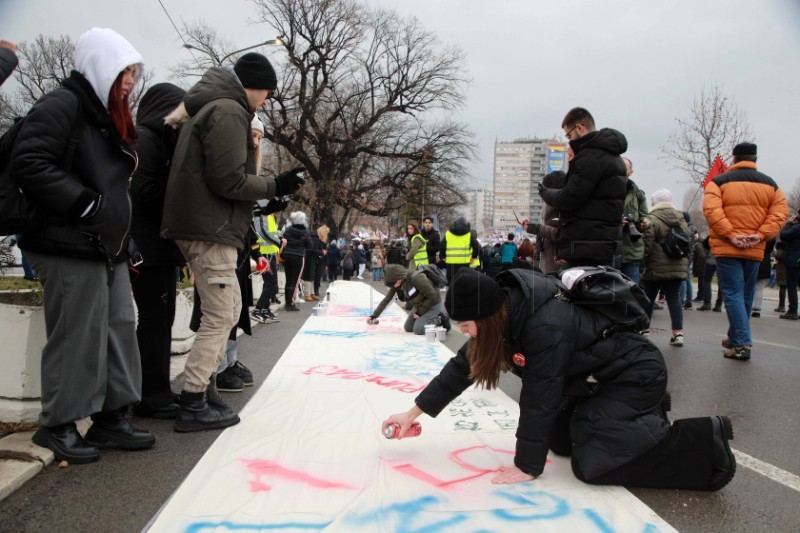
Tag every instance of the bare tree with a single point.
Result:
(693, 204)
(352, 107)
(793, 198)
(714, 126)
(43, 63)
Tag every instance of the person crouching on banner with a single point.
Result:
(600, 400)
(415, 287)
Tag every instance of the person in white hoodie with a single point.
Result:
(74, 156)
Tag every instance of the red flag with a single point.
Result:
(717, 168)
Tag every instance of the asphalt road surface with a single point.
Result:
(124, 490)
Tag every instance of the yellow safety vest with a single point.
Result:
(458, 250)
(269, 248)
(476, 263)
(421, 257)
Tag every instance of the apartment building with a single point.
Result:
(479, 209)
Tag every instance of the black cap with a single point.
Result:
(745, 149)
(256, 72)
(473, 296)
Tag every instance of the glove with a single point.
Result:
(262, 265)
(289, 182)
(275, 205)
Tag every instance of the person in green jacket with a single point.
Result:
(415, 287)
(634, 221)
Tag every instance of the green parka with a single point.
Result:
(657, 265)
(636, 205)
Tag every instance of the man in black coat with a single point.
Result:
(431, 235)
(591, 202)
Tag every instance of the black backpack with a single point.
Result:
(435, 275)
(18, 215)
(677, 243)
(607, 291)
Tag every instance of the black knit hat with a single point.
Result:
(745, 149)
(473, 296)
(256, 72)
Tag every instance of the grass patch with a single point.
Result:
(14, 283)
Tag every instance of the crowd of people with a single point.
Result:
(197, 197)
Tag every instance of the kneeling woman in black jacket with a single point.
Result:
(598, 400)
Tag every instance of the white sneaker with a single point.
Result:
(676, 340)
(299, 300)
(359, 277)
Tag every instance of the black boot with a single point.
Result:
(724, 461)
(112, 429)
(196, 414)
(213, 398)
(66, 444)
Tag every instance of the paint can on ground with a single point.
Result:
(430, 333)
(393, 429)
(441, 334)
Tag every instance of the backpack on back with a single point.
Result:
(18, 215)
(435, 275)
(606, 291)
(677, 243)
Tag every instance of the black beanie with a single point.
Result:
(745, 149)
(472, 296)
(256, 72)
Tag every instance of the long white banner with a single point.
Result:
(309, 454)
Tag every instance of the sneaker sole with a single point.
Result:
(745, 357)
(229, 389)
(100, 437)
(192, 427)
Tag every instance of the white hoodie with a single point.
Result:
(100, 55)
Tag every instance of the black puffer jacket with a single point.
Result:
(298, 240)
(103, 165)
(559, 342)
(590, 224)
(155, 142)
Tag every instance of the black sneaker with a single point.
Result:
(291, 307)
(275, 301)
(740, 353)
(704, 307)
(229, 381)
(687, 304)
(717, 308)
(755, 314)
(271, 316)
(243, 372)
(259, 316)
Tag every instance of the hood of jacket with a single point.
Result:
(460, 227)
(393, 273)
(100, 55)
(606, 139)
(216, 83)
(667, 213)
(158, 102)
(525, 290)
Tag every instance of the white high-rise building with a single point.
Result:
(479, 209)
(519, 167)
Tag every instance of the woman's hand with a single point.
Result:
(404, 419)
(510, 475)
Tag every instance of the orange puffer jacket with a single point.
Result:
(743, 201)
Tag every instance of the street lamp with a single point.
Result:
(276, 41)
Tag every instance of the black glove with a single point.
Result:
(289, 182)
(275, 206)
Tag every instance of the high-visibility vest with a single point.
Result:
(458, 250)
(476, 262)
(421, 257)
(268, 248)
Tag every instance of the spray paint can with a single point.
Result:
(393, 430)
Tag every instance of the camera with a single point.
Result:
(633, 233)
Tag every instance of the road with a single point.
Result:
(124, 490)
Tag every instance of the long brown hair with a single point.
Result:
(485, 352)
(120, 110)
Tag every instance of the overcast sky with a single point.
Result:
(635, 64)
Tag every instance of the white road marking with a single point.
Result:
(767, 470)
(784, 346)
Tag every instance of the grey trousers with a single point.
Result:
(417, 325)
(90, 362)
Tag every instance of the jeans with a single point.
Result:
(377, 274)
(670, 288)
(686, 285)
(632, 270)
(737, 281)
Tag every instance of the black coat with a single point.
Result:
(8, 62)
(155, 144)
(591, 202)
(298, 240)
(615, 421)
(102, 166)
(432, 247)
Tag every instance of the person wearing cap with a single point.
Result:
(210, 194)
(597, 399)
(90, 362)
(660, 272)
(411, 286)
(744, 209)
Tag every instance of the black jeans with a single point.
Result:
(671, 289)
(154, 291)
(708, 275)
(293, 266)
(270, 289)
